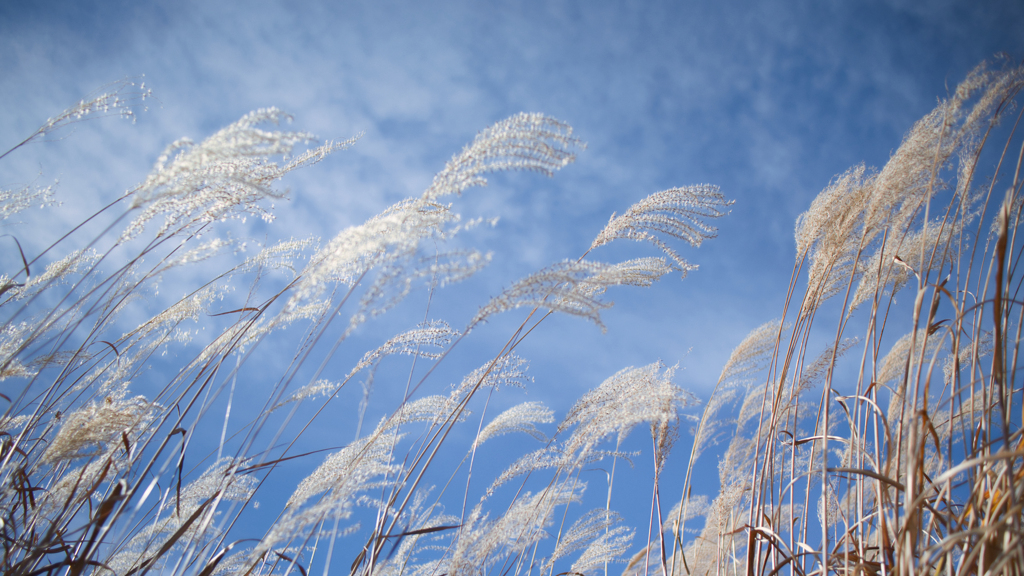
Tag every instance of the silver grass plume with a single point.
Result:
(240, 335)
(480, 544)
(91, 429)
(396, 280)
(431, 409)
(355, 464)
(508, 370)
(686, 509)
(828, 234)
(416, 342)
(968, 354)
(678, 213)
(833, 215)
(388, 241)
(77, 485)
(734, 466)
(14, 337)
(418, 524)
(753, 352)
(720, 524)
(541, 459)
(315, 388)
(606, 548)
(56, 272)
(786, 399)
(628, 398)
(895, 362)
(519, 418)
(683, 511)
(221, 482)
(522, 142)
(392, 235)
(200, 253)
(279, 256)
(573, 287)
(115, 99)
(190, 306)
(358, 467)
(816, 371)
(910, 178)
(861, 204)
(894, 263)
(14, 201)
(757, 394)
(898, 368)
(227, 175)
(584, 531)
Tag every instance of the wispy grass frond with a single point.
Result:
(573, 287)
(14, 201)
(521, 142)
(549, 457)
(388, 237)
(509, 370)
(482, 543)
(519, 418)
(57, 271)
(903, 459)
(432, 335)
(225, 176)
(583, 533)
(898, 260)
(94, 428)
(753, 352)
(630, 397)
(679, 213)
(120, 98)
(160, 383)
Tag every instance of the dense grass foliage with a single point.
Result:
(889, 440)
(865, 435)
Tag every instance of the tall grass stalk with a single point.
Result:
(117, 460)
(875, 427)
(879, 425)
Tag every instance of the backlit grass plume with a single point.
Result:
(246, 426)
(141, 432)
(890, 441)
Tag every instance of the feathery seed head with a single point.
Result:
(280, 255)
(91, 429)
(117, 99)
(573, 287)
(584, 532)
(481, 544)
(520, 418)
(389, 237)
(416, 342)
(752, 352)
(919, 252)
(14, 201)
(521, 142)
(225, 176)
(677, 213)
(630, 397)
(508, 370)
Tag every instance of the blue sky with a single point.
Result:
(768, 100)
